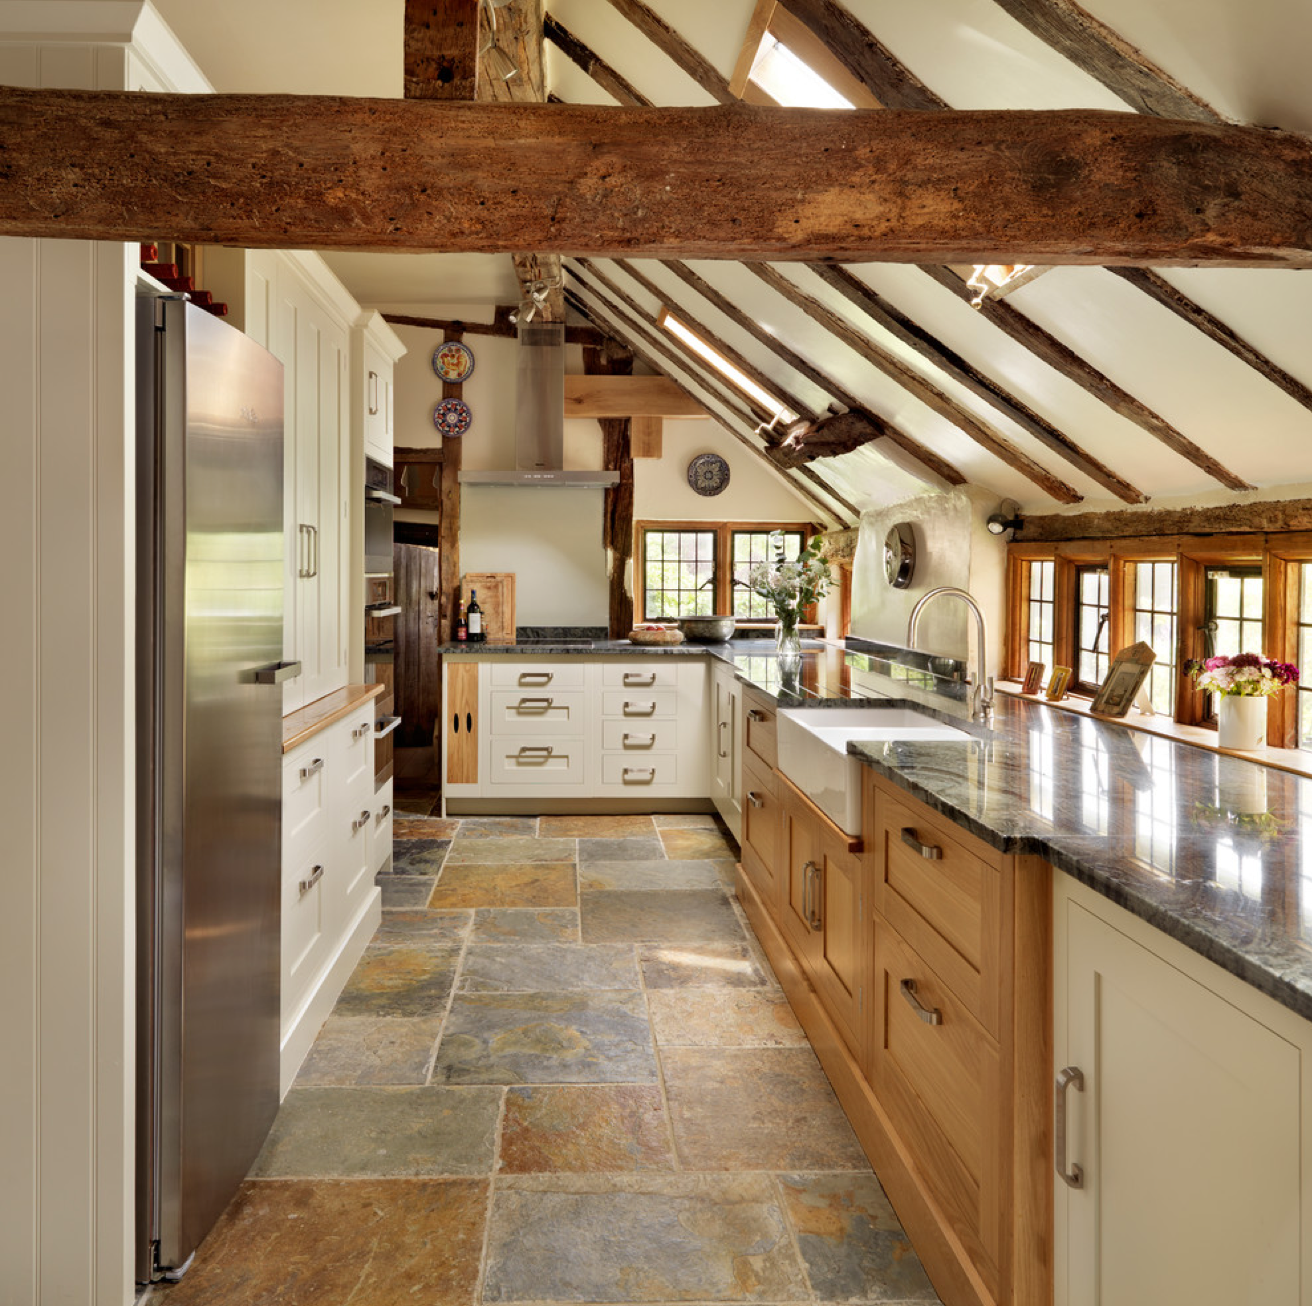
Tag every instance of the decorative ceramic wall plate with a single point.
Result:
(453, 361)
(708, 473)
(452, 417)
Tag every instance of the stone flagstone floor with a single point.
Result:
(562, 1072)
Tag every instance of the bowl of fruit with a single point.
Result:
(655, 632)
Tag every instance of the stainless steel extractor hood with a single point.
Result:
(540, 417)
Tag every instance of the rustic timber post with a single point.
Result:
(617, 509)
(448, 522)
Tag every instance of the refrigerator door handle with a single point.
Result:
(276, 672)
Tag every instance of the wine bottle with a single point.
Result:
(474, 619)
(462, 626)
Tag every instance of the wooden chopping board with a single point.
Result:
(496, 596)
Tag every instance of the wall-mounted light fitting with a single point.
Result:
(988, 278)
(1006, 518)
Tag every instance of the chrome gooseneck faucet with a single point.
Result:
(981, 694)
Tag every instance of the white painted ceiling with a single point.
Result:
(1247, 58)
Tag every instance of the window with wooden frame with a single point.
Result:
(688, 569)
(1185, 596)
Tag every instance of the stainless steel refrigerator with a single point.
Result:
(209, 753)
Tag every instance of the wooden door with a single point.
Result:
(418, 678)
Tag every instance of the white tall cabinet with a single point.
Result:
(726, 760)
(1190, 1123)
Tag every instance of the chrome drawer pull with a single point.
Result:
(930, 852)
(311, 880)
(535, 677)
(755, 714)
(1071, 1076)
(636, 775)
(534, 705)
(755, 799)
(361, 730)
(639, 741)
(719, 739)
(811, 895)
(385, 725)
(308, 771)
(534, 752)
(361, 821)
(639, 709)
(638, 679)
(385, 813)
(930, 1015)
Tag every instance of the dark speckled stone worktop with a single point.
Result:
(1212, 850)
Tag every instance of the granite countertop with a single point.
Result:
(1213, 850)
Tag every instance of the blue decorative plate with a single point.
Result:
(452, 417)
(453, 361)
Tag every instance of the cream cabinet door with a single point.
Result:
(1186, 1133)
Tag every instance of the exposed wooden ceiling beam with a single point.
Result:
(1182, 306)
(1096, 49)
(686, 56)
(736, 182)
(926, 391)
(641, 337)
(610, 81)
(501, 325)
(624, 395)
(1267, 517)
(878, 425)
(952, 364)
(441, 50)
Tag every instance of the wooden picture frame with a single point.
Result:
(1125, 677)
(1033, 677)
(1058, 683)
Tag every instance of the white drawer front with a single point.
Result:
(305, 776)
(303, 921)
(639, 772)
(656, 736)
(535, 761)
(358, 869)
(640, 675)
(640, 704)
(515, 673)
(530, 712)
(355, 737)
(382, 825)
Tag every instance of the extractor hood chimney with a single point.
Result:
(540, 417)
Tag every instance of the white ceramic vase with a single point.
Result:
(1241, 722)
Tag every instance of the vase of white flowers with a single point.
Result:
(1244, 683)
(791, 587)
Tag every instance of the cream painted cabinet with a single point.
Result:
(1187, 1127)
(375, 349)
(725, 746)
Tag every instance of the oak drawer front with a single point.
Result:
(516, 760)
(514, 673)
(526, 712)
(640, 737)
(941, 1085)
(639, 772)
(762, 822)
(760, 726)
(947, 906)
(641, 675)
(640, 704)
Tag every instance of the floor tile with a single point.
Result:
(701, 965)
(723, 1018)
(506, 885)
(546, 1038)
(423, 827)
(853, 1248)
(644, 874)
(640, 1239)
(371, 1050)
(404, 892)
(700, 844)
(487, 851)
(424, 927)
(756, 1109)
(595, 827)
(688, 821)
(419, 856)
(628, 916)
(584, 1128)
(523, 925)
(535, 967)
(391, 1242)
(381, 1131)
(498, 827)
(399, 981)
(647, 848)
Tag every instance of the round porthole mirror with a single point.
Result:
(900, 555)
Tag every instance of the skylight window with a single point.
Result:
(735, 376)
(790, 81)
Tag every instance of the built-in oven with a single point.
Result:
(378, 504)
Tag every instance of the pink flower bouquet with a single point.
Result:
(1248, 675)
